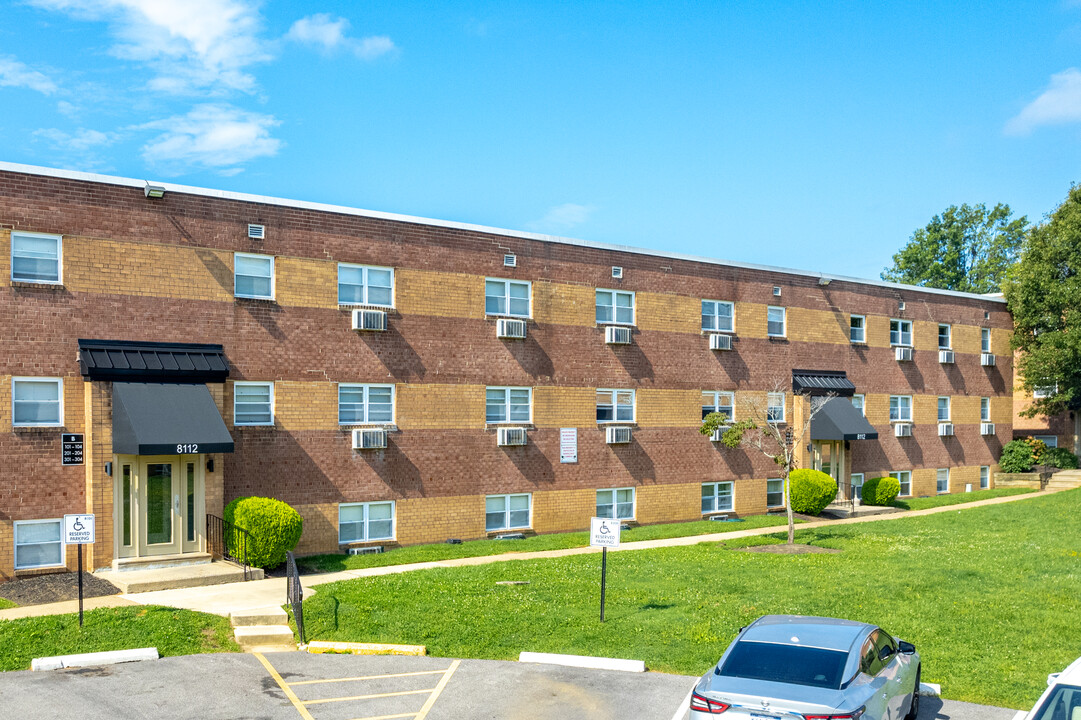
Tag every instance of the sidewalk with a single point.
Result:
(225, 599)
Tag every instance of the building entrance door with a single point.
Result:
(159, 505)
(829, 457)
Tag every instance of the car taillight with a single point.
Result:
(704, 704)
(854, 715)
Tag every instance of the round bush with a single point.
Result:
(1017, 457)
(881, 491)
(274, 527)
(811, 491)
(1060, 458)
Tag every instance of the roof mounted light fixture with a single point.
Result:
(154, 191)
(824, 281)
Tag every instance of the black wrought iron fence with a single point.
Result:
(226, 541)
(294, 593)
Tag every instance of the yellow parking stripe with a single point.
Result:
(369, 677)
(368, 697)
(386, 717)
(285, 688)
(438, 689)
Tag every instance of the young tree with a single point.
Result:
(1043, 291)
(967, 248)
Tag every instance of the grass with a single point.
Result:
(991, 597)
(171, 631)
(555, 541)
(956, 498)
(5, 604)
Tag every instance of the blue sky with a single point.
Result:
(807, 135)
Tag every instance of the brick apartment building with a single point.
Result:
(203, 343)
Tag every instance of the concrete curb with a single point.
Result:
(930, 689)
(583, 661)
(110, 657)
(320, 647)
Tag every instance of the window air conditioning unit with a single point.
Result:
(902, 430)
(720, 342)
(614, 335)
(903, 354)
(513, 329)
(987, 359)
(718, 434)
(987, 428)
(511, 436)
(257, 232)
(373, 550)
(945, 429)
(369, 439)
(369, 320)
(617, 435)
(945, 357)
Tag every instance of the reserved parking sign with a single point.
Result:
(78, 529)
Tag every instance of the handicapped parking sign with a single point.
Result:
(604, 532)
(78, 529)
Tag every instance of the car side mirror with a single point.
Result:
(906, 648)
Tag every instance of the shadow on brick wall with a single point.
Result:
(532, 358)
(395, 353)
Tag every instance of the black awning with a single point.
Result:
(822, 382)
(152, 362)
(167, 419)
(838, 419)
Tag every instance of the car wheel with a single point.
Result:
(914, 707)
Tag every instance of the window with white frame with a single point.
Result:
(617, 504)
(775, 321)
(900, 408)
(615, 306)
(720, 402)
(1044, 391)
(365, 285)
(775, 493)
(985, 340)
(361, 522)
(900, 332)
(506, 297)
(775, 407)
(857, 402)
(38, 544)
(857, 329)
(615, 406)
(36, 258)
(360, 404)
(942, 481)
(37, 402)
(985, 409)
(905, 478)
(856, 480)
(253, 403)
(508, 404)
(717, 497)
(944, 409)
(985, 477)
(944, 337)
(1050, 441)
(253, 276)
(717, 316)
(506, 512)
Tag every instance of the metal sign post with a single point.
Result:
(603, 533)
(79, 530)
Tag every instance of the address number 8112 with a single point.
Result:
(187, 449)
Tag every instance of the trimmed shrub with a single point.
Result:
(1017, 457)
(1060, 458)
(881, 491)
(274, 526)
(811, 491)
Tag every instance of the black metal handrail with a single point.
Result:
(226, 541)
(294, 592)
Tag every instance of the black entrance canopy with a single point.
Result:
(152, 362)
(838, 419)
(167, 419)
(822, 382)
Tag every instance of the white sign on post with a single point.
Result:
(78, 529)
(604, 532)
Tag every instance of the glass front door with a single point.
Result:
(158, 505)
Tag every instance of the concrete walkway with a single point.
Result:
(225, 599)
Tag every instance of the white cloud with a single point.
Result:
(565, 216)
(330, 34)
(81, 140)
(216, 137)
(15, 74)
(1059, 104)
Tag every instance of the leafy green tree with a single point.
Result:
(1043, 291)
(967, 248)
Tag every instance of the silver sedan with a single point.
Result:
(791, 667)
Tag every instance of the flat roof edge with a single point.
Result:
(540, 237)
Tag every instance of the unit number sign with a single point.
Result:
(187, 449)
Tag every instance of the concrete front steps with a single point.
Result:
(263, 630)
(168, 572)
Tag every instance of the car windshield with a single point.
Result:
(785, 663)
(1064, 703)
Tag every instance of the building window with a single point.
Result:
(717, 497)
(944, 337)
(985, 409)
(775, 493)
(857, 402)
(857, 329)
(717, 316)
(615, 406)
(253, 276)
(905, 478)
(721, 402)
(508, 404)
(900, 332)
(37, 544)
(506, 512)
(1044, 391)
(1050, 441)
(36, 258)
(775, 407)
(985, 340)
(900, 408)
(360, 522)
(944, 409)
(985, 477)
(943, 480)
(775, 321)
(359, 404)
(253, 403)
(617, 504)
(37, 402)
(364, 285)
(856, 480)
(506, 297)
(614, 306)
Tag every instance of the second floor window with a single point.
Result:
(358, 404)
(900, 408)
(985, 409)
(857, 402)
(775, 407)
(900, 332)
(985, 340)
(507, 404)
(775, 321)
(35, 258)
(615, 406)
(253, 276)
(506, 297)
(717, 316)
(615, 306)
(721, 402)
(253, 403)
(943, 409)
(364, 285)
(944, 337)
(857, 329)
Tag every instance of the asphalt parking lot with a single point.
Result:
(288, 686)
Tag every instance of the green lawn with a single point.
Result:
(5, 604)
(956, 498)
(171, 631)
(991, 596)
(555, 541)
